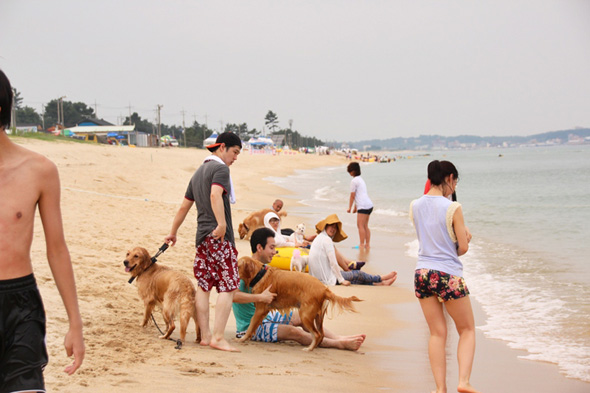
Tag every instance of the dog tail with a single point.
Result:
(343, 303)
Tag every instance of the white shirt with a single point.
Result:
(322, 260)
(361, 196)
(280, 239)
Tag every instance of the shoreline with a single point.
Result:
(114, 198)
(539, 376)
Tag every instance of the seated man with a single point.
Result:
(277, 326)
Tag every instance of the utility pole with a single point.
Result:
(130, 123)
(95, 110)
(13, 114)
(159, 124)
(183, 127)
(60, 111)
(43, 115)
(291, 129)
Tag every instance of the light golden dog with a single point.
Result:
(254, 221)
(294, 290)
(161, 286)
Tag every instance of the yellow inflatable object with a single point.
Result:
(282, 259)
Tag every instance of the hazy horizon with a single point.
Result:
(340, 70)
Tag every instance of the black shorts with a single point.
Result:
(23, 354)
(365, 211)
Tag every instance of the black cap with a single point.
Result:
(228, 138)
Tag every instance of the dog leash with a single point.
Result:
(178, 342)
(154, 260)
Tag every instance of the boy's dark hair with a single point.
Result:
(260, 236)
(5, 100)
(354, 168)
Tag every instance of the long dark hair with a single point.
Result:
(438, 170)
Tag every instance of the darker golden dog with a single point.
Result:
(161, 286)
(294, 290)
(254, 221)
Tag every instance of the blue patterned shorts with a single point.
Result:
(442, 285)
(267, 331)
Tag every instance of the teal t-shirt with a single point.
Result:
(243, 311)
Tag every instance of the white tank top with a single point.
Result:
(432, 218)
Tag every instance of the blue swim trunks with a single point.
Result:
(267, 331)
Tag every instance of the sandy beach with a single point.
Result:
(115, 198)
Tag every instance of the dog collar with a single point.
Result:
(258, 276)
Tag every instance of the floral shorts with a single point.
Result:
(216, 265)
(442, 285)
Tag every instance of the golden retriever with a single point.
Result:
(294, 290)
(254, 221)
(161, 286)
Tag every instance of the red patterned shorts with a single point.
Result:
(216, 265)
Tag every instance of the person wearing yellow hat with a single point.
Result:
(323, 261)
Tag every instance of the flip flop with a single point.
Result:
(356, 265)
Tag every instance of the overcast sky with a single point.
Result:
(340, 70)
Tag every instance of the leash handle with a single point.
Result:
(161, 250)
(154, 260)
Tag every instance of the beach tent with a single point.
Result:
(210, 140)
(260, 142)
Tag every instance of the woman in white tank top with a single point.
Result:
(438, 281)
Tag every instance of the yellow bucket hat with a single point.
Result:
(332, 219)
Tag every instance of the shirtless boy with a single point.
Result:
(28, 180)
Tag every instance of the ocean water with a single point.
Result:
(529, 259)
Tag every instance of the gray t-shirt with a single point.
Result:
(199, 190)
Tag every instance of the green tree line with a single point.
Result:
(193, 135)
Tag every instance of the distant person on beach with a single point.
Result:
(216, 262)
(27, 181)
(278, 326)
(324, 264)
(438, 279)
(360, 203)
(277, 205)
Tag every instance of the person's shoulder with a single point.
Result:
(32, 161)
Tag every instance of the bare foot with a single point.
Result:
(352, 344)
(223, 345)
(205, 340)
(354, 336)
(387, 280)
(466, 388)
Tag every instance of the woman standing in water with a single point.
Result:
(438, 280)
(363, 205)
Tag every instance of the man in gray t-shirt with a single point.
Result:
(199, 189)
(215, 263)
